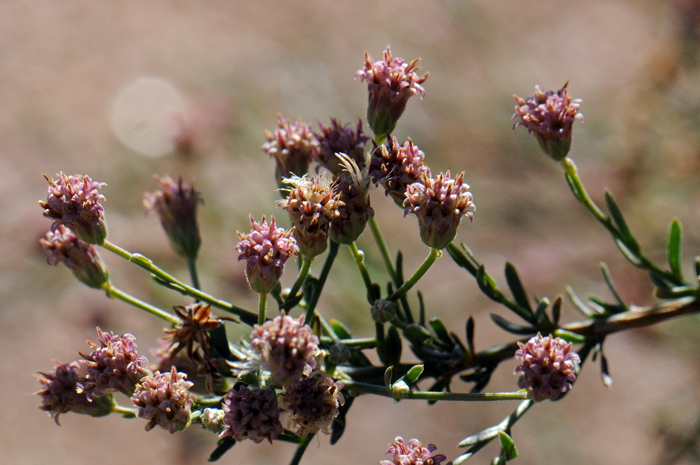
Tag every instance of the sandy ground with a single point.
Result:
(228, 67)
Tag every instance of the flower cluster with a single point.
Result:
(251, 413)
(338, 138)
(313, 204)
(176, 206)
(439, 203)
(312, 403)
(63, 246)
(396, 167)
(113, 366)
(266, 249)
(74, 201)
(550, 116)
(413, 452)
(548, 367)
(164, 400)
(292, 146)
(390, 82)
(284, 346)
(59, 394)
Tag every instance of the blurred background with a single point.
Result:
(127, 89)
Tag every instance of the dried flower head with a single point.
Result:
(353, 186)
(312, 403)
(338, 138)
(313, 204)
(59, 394)
(63, 246)
(74, 202)
(113, 366)
(413, 453)
(390, 82)
(396, 166)
(439, 203)
(548, 367)
(292, 146)
(550, 116)
(266, 249)
(176, 206)
(284, 346)
(164, 399)
(251, 413)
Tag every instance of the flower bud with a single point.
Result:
(312, 403)
(383, 311)
(396, 166)
(337, 138)
(266, 249)
(176, 206)
(550, 116)
(164, 400)
(63, 246)
(74, 201)
(413, 452)
(292, 146)
(390, 84)
(548, 367)
(439, 203)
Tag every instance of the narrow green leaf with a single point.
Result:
(568, 336)
(629, 255)
(675, 235)
(486, 435)
(440, 330)
(512, 327)
(388, 374)
(541, 307)
(508, 446)
(413, 374)
(608, 280)
(470, 333)
(606, 307)
(619, 220)
(487, 284)
(223, 446)
(461, 259)
(340, 330)
(516, 286)
(697, 268)
(421, 309)
(393, 346)
(578, 303)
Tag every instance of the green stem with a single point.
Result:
(301, 448)
(425, 266)
(360, 261)
(115, 293)
(125, 411)
(432, 396)
(262, 308)
(192, 264)
(145, 263)
(303, 272)
(355, 343)
(383, 250)
(332, 253)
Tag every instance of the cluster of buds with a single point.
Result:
(396, 167)
(413, 452)
(439, 203)
(73, 201)
(337, 138)
(548, 367)
(176, 206)
(251, 413)
(390, 82)
(265, 249)
(313, 204)
(292, 146)
(550, 116)
(63, 246)
(164, 400)
(312, 403)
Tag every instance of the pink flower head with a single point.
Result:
(284, 346)
(113, 366)
(313, 204)
(390, 82)
(338, 138)
(164, 399)
(548, 367)
(59, 394)
(74, 202)
(292, 146)
(312, 403)
(63, 246)
(251, 413)
(176, 206)
(413, 452)
(550, 116)
(439, 203)
(396, 166)
(266, 249)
